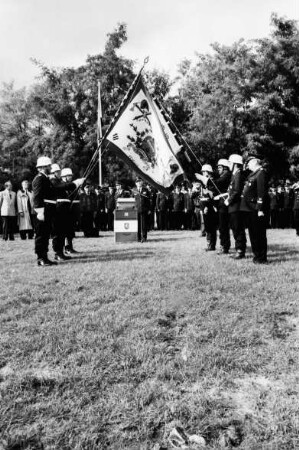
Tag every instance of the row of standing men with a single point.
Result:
(237, 201)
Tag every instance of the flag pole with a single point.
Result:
(99, 132)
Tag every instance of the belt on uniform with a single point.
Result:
(76, 201)
(50, 201)
(63, 200)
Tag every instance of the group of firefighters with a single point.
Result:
(232, 200)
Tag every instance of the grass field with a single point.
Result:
(115, 348)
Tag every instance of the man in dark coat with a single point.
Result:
(253, 207)
(233, 202)
(222, 183)
(177, 202)
(162, 208)
(188, 210)
(142, 199)
(110, 207)
(61, 217)
(296, 207)
(74, 212)
(45, 196)
(88, 208)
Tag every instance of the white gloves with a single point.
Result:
(79, 181)
(202, 178)
(40, 214)
(260, 214)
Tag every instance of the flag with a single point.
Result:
(140, 135)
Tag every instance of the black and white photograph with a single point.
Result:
(149, 225)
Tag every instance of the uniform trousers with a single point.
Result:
(110, 219)
(163, 220)
(211, 223)
(257, 228)
(176, 220)
(42, 236)
(296, 221)
(197, 218)
(238, 228)
(60, 224)
(8, 224)
(188, 220)
(142, 226)
(224, 229)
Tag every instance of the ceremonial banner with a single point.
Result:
(141, 136)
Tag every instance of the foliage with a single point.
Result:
(237, 99)
(245, 97)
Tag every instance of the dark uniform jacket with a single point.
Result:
(88, 202)
(101, 201)
(61, 192)
(296, 199)
(177, 201)
(142, 200)
(162, 202)
(222, 183)
(255, 192)
(188, 202)
(235, 189)
(110, 201)
(43, 192)
(288, 199)
(273, 201)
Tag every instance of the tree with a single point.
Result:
(245, 97)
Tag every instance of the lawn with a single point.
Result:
(116, 348)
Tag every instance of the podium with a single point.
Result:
(125, 220)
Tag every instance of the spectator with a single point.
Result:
(88, 208)
(8, 210)
(25, 211)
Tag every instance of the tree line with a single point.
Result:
(236, 99)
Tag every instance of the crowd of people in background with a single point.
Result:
(94, 208)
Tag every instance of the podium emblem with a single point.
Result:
(127, 226)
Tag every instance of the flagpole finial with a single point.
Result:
(146, 60)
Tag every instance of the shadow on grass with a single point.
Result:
(110, 256)
(177, 238)
(278, 253)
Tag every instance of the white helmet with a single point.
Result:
(55, 168)
(223, 162)
(207, 168)
(65, 172)
(235, 159)
(43, 161)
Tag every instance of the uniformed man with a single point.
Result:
(61, 218)
(295, 188)
(120, 192)
(110, 206)
(142, 199)
(44, 205)
(177, 202)
(253, 207)
(88, 208)
(73, 216)
(233, 200)
(198, 207)
(188, 209)
(162, 208)
(210, 215)
(222, 183)
(44, 200)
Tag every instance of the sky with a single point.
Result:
(61, 33)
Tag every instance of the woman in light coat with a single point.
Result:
(8, 211)
(25, 210)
